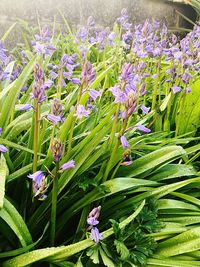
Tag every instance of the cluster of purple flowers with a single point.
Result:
(40, 182)
(42, 44)
(92, 221)
(65, 69)
(94, 35)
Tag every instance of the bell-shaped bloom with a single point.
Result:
(26, 107)
(142, 128)
(81, 112)
(3, 149)
(37, 177)
(55, 119)
(68, 165)
(176, 89)
(124, 141)
(95, 235)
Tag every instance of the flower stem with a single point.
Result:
(54, 206)
(36, 135)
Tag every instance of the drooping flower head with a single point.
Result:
(124, 141)
(3, 149)
(68, 165)
(95, 235)
(57, 149)
(81, 112)
(39, 184)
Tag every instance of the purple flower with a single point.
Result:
(81, 112)
(142, 128)
(38, 93)
(92, 221)
(55, 119)
(127, 72)
(178, 55)
(145, 109)
(95, 212)
(188, 89)
(95, 235)
(94, 94)
(3, 149)
(68, 165)
(57, 149)
(118, 94)
(47, 84)
(1, 130)
(37, 177)
(176, 89)
(26, 107)
(56, 107)
(88, 73)
(124, 141)
(75, 80)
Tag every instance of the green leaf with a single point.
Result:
(11, 216)
(6, 34)
(61, 253)
(122, 250)
(12, 90)
(191, 111)
(185, 242)
(152, 160)
(106, 260)
(3, 173)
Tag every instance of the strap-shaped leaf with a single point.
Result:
(11, 216)
(3, 173)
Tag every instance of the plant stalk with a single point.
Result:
(54, 205)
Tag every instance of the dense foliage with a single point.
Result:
(99, 146)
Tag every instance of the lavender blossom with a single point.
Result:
(142, 128)
(26, 107)
(68, 165)
(118, 94)
(95, 235)
(94, 94)
(1, 130)
(37, 177)
(3, 149)
(39, 184)
(145, 109)
(42, 45)
(81, 112)
(176, 89)
(88, 74)
(55, 119)
(124, 141)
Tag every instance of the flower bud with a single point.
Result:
(57, 149)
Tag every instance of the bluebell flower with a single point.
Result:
(26, 107)
(3, 149)
(176, 89)
(142, 128)
(81, 112)
(37, 177)
(124, 141)
(68, 165)
(95, 235)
